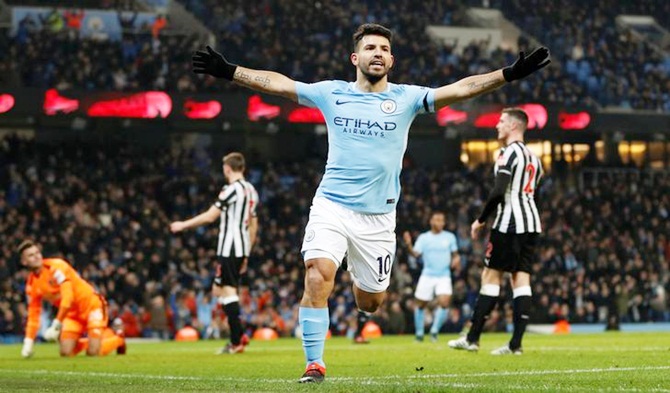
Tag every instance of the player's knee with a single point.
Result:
(443, 301)
(93, 352)
(64, 352)
(314, 279)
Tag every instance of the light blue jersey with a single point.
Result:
(367, 138)
(435, 250)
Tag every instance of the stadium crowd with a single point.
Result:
(599, 64)
(97, 4)
(611, 65)
(605, 250)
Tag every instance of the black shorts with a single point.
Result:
(228, 271)
(511, 252)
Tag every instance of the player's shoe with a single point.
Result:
(231, 349)
(418, 339)
(505, 350)
(361, 340)
(433, 337)
(463, 343)
(244, 340)
(314, 373)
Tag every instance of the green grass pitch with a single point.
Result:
(608, 362)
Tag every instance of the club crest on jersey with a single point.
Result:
(388, 106)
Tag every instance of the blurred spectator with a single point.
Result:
(157, 325)
(53, 22)
(73, 19)
(158, 25)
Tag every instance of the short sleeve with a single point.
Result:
(226, 197)
(423, 97)
(453, 244)
(419, 244)
(311, 94)
(253, 204)
(505, 161)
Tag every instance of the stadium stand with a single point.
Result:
(602, 64)
(107, 209)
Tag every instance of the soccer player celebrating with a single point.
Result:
(80, 308)
(511, 246)
(439, 251)
(353, 211)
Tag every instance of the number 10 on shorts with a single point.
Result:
(384, 267)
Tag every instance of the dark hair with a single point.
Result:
(371, 29)
(26, 244)
(437, 212)
(518, 114)
(235, 161)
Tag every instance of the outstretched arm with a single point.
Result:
(269, 82)
(201, 219)
(475, 85)
(213, 63)
(469, 87)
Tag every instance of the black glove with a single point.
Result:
(524, 66)
(213, 63)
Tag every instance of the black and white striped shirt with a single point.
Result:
(237, 202)
(517, 213)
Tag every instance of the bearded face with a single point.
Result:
(373, 57)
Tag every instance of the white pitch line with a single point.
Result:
(384, 380)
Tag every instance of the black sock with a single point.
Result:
(521, 308)
(233, 314)
(483, 308)
(363, 318)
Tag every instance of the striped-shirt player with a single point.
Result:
(511, 246)
(237, 202)
(517, 212)
(236, 207)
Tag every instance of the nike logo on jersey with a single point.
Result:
(338, 102)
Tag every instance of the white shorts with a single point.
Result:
(428, 287)
(367, 240)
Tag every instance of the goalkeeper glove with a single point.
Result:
(53, 332)
(27, 350)
(213, 63)
(524, 66)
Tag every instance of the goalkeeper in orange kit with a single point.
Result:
(80, 308)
